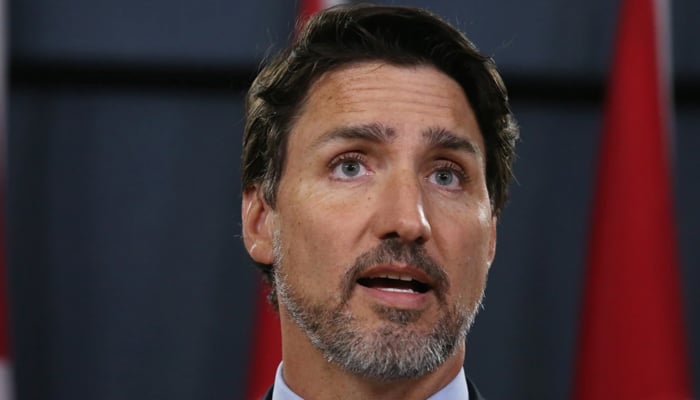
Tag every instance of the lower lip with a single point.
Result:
(400, 300)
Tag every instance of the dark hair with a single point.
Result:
(401, 36)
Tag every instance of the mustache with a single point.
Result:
(395, 250)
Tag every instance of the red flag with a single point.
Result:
(266, 351)
(632, 334)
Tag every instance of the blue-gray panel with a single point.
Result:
(154, 31)
(129, 277)
(685, 34)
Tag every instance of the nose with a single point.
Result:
(402, 212)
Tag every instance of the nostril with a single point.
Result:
(395, 235)
(391, 235)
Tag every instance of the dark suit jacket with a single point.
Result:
(473, 392)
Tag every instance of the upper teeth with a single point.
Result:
(399, 277)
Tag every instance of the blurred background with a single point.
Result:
(128, 278)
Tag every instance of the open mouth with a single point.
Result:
(394, 283)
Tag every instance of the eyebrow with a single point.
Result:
(435, 137)
(442, 138)
(373, 132)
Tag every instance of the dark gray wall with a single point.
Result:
(128, 277)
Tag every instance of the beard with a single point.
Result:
(395, 350)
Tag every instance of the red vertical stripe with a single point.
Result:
(266, 350)
(632, 335)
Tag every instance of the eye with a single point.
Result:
(448, 175)
(444, 177)
(348, 166)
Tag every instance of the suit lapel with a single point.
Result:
(473, 391)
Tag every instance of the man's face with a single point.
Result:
(383, 233)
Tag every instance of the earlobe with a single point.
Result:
(257, 230)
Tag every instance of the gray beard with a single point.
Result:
(396, 350)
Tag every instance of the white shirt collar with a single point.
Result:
(455, 390)
(281, 391)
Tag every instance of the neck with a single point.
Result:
(310, 375)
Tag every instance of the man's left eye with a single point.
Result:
(445, 177)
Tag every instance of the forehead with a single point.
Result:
(406, 99)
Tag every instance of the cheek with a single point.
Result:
(466, 235)
(313, 238)
(472, 265)
(467, 248)
(322, 214)
(468, 284)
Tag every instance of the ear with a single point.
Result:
(492, 240)
(256, 216)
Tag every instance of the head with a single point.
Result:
(294, 118)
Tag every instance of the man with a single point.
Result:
(377, 154)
